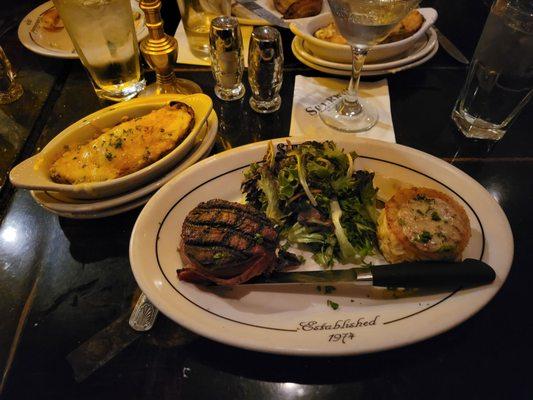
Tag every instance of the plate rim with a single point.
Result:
(339, 72)
(427, 47)
(250, 344)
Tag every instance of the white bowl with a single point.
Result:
(341, 53)
(33, 173)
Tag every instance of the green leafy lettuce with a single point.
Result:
(317, 198)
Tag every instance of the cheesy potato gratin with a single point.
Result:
(422, 224)
(125, 148)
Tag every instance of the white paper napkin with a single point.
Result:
(311, 93)
(185, 55)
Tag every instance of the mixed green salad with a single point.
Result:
(317, 199)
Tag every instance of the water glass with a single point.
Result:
(227, 60)
(197, 16)
(10, 90)
(500, 78)
(265, 69)
(103, 34)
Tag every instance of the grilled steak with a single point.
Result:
(226, 243)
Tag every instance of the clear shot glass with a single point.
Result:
(265, 69)
(227, 60)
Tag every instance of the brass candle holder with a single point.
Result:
(161, 53)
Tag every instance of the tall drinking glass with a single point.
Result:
(363, 23)
(500, 79)
(103, 34)
(197, 16)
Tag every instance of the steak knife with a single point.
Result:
(421, 274)
(252, 6)
(450, 48)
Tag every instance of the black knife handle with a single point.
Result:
(423, 274)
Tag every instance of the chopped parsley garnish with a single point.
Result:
(420, 197)
(218, 256)
(423, 237)
(446, 248)
(118, 143)
(329, 289)
(109, 156)
(435, 216)
(333, 305)
(258, 238)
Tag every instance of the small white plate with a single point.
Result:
(295, 319)
(101, 214)
(58, 44)
(342, 53)
(341, 72)
(419, 49)
(73, 208)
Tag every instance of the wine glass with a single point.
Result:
(363, 23)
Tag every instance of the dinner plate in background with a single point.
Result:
(296, 319)
(58, 44)
(336, 52)
(419, 49)
(247, 17)
(341, 72)
(77, 208)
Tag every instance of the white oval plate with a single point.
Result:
(66, 206)
(58, 44)
(295, 319)
(419, 49)
(341, 72)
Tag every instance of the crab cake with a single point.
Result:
(422, 224)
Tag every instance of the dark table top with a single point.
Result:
(63, 280)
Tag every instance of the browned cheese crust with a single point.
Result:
(126, 148)
(428, 224)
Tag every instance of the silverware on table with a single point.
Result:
(143, 315)
(96, 351)
(421, 274)
(450, 48)
(252, 6)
